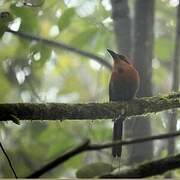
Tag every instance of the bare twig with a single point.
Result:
(86, 146)
(93, 147)
(62, 46)
(8, 159)
(62, 111)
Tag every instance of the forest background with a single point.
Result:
(36, 72)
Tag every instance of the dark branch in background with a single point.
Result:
(86, 146)
(133, 141)
(152, 168)
(9, 161)
(62, 111)
(61, 45)
(66, 156)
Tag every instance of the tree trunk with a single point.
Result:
(175, 85)
(142, 55)
(122, 25)
(143, 50)
(122, 29)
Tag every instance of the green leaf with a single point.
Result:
(94, 170)
(28, 16)
(43, 51)
(84, 38)
(164, 48)
(66, 18)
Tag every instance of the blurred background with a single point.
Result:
(145, 31)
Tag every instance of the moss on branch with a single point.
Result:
(62, 111)
(148, 169)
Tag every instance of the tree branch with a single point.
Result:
(93, 147)
(61, 111)
(86, 146)
(148, 169)
(62, 46)
(66, 156)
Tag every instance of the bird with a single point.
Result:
(123, 86)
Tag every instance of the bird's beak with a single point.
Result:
(114, 55)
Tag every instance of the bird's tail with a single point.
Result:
(117, 136)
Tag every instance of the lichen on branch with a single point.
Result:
(88, 111)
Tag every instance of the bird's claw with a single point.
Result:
(116, 118)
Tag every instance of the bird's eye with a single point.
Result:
(120, 70)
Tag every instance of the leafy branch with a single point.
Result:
(62, 111)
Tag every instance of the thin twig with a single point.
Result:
(93, 147)
(8, 159)
(62, 46)
(86, 146)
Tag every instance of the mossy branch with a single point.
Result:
(148, 169)
(60, 111)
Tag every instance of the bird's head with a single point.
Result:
(121, 63)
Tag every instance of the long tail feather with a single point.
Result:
(117, 135)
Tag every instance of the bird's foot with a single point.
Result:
(117, 118)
